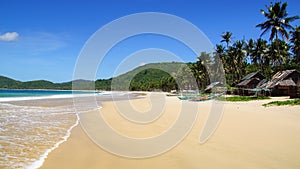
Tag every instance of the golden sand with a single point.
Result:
(249, 136)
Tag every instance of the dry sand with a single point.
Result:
(249, 136)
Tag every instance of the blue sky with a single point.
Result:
(46, 37)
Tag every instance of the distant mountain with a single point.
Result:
(38, 84)
(9, 83)
(147, 77)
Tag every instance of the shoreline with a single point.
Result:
(39, 163)
(45, 96)
(62, 96)
(249, 136)
(57, 103)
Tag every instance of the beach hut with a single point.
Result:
(284, 83)
(249, 82)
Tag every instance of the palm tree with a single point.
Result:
(259, 53)
(249, 47)
(296, 43)
(227, 36)
(205, 66)
(220, 51)
(279, 52)
(239, 58)
(198, 70)
(277, 21)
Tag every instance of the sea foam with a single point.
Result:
(38, 163)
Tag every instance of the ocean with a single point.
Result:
(36, 93)
(33, 123)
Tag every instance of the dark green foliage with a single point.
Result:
(295, 40)
(152, 79)
(241, 57)
(154, 76)
(103, 84)
(39, 84)
(7, 83)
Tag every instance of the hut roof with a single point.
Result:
(247, 81)
(250, 78)
(288, 82)
(250, 75)
(279, 79)
(262, 82)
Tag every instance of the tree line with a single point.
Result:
(281, 51)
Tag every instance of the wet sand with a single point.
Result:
(249, 136)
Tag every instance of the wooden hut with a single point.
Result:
(284, 83)
(250, 81)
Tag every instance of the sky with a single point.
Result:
(43, 39)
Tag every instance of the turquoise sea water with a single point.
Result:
(35, 122)
(35, 93)
(29, 133)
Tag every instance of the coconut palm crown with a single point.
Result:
(277, 22)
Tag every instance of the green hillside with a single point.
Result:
(38, 84)
(147, 77)
(8, 83)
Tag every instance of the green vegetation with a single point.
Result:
(282, 103)
(7, 83)
(243, 98)
(149, 77)
(281, 51)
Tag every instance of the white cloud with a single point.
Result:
(9, 36)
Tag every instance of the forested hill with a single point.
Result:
(8, 83)
(147, 77)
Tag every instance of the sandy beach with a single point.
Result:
(249, 136)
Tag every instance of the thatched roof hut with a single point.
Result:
(250, 81)
(288, 82)
(284, 83)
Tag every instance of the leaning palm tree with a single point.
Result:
(277, 21)
(227, 36)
